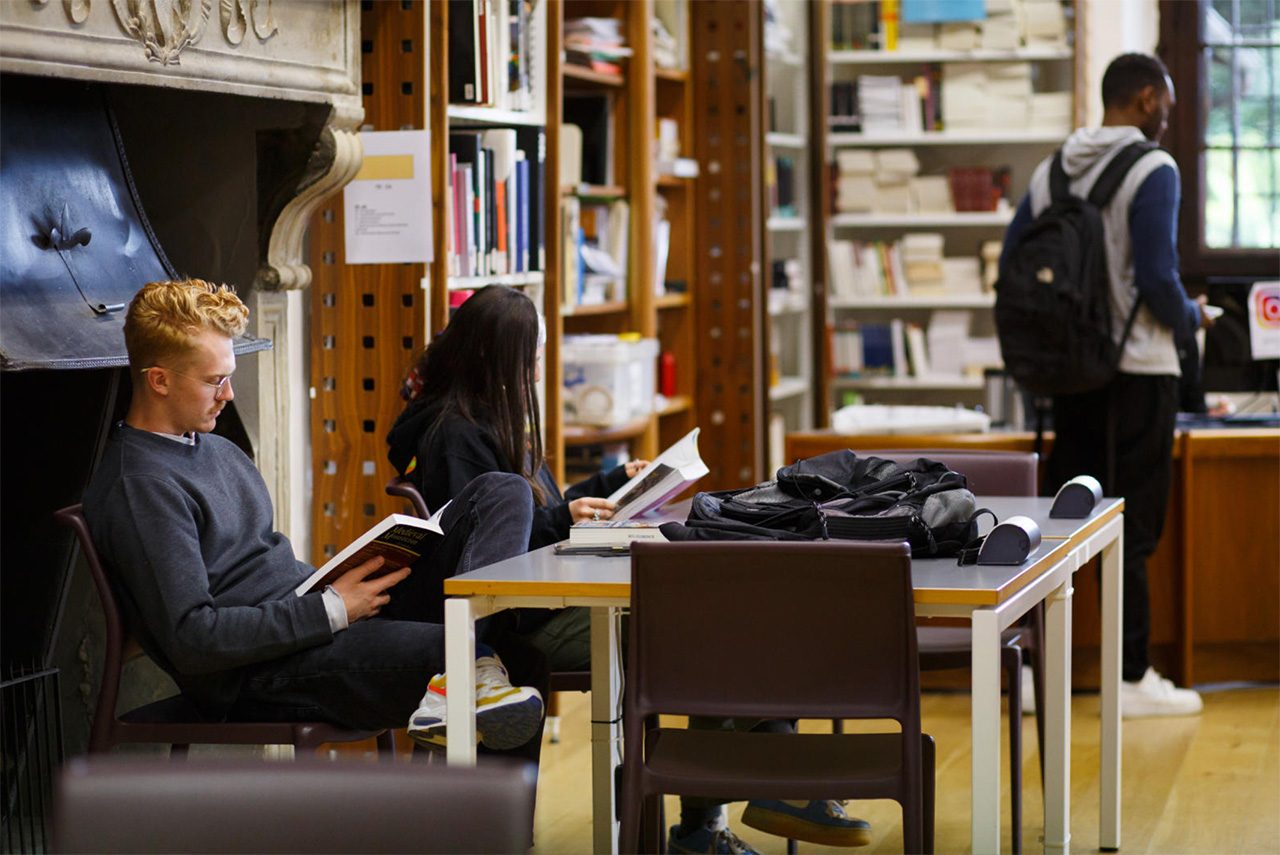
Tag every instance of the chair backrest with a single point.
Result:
(105, 713)
(403, 488)
(773, 630)
(989, 473)
(110, 804)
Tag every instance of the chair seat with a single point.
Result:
(570, 681)
(773, 765)
(176, 720)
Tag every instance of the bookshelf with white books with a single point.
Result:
(931, 132)
(789, 224)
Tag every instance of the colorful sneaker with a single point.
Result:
(708, 841)
(507, 716)
(821, 822)
(1154, 695)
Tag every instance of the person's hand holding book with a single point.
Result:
(590, 508)
(365, 597)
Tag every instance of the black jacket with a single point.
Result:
(449, 458)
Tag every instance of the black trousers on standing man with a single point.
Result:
(1141, 410)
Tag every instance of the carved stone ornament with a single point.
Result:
(239, 15)
(335, 161)
(164, 28)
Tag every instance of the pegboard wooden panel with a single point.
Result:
(727, 47)
(367, 321)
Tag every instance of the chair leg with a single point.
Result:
(791, 846)
(632, 808)
(837, 726)
(1036, 624)
(553, 717)
(387, 746)
(1012, 656)
(927, 764)
(178, 752)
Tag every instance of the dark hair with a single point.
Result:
(481, 368)
(1128, 74)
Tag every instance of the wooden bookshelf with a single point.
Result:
(1053, 68)
(788, 343)
(583, 76)
(544, 115)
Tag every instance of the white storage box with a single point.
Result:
(608, 380)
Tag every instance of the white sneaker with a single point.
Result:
(507, 716)
(1154, 695)
(1028, 691)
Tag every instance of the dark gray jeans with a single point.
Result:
(373, 674)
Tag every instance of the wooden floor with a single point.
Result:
(1203, 784)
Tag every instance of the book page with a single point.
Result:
(668, 474)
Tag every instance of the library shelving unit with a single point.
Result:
(636, 99)
(1053, 67)
(627, 99)
(788, 278)
(535, 122)
(368, 321)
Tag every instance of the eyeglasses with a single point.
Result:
(218, 388)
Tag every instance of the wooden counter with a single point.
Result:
(1214, 580)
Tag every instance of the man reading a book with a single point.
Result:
(185, 522)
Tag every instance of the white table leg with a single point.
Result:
(1057, 719)
(460, 668)
(1112, 630)
(606, 712)
(985, 723)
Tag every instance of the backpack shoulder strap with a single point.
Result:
(1059, 184)
(1110, 179)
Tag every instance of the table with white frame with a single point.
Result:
(992, 598)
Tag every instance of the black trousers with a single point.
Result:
(1142, 409)
(372, 675)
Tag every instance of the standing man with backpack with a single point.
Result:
(1101, 215)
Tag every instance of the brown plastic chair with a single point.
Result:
(403, 488)
(121, 804)
(175, 721)
(560, 681)
(942, 648)
(826, 630)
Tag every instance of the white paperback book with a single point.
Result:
(614, 532)
(664, 478)
(399, 539)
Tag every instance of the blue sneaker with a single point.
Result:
(821, 822)
(706, 841)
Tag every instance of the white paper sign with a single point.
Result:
(387, 207)
(1264, 320)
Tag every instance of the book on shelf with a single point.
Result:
(595, 43)
(494, 212)
(613, 532)
(398, 539)
(592, 113)
(597, 235)
(492, 53)
(666, 476)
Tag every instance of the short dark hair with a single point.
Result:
(1128, 74)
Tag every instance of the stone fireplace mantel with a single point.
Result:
(303, 51)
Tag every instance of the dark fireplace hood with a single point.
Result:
(75, 243)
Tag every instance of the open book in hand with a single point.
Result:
(398, 538)
(663, 479)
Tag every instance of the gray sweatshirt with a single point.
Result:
(1140, 261)
(187, 530)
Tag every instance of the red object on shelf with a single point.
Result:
(973, 188)
(667, 374)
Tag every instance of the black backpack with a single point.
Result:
(840, 496)
(1053, 297)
